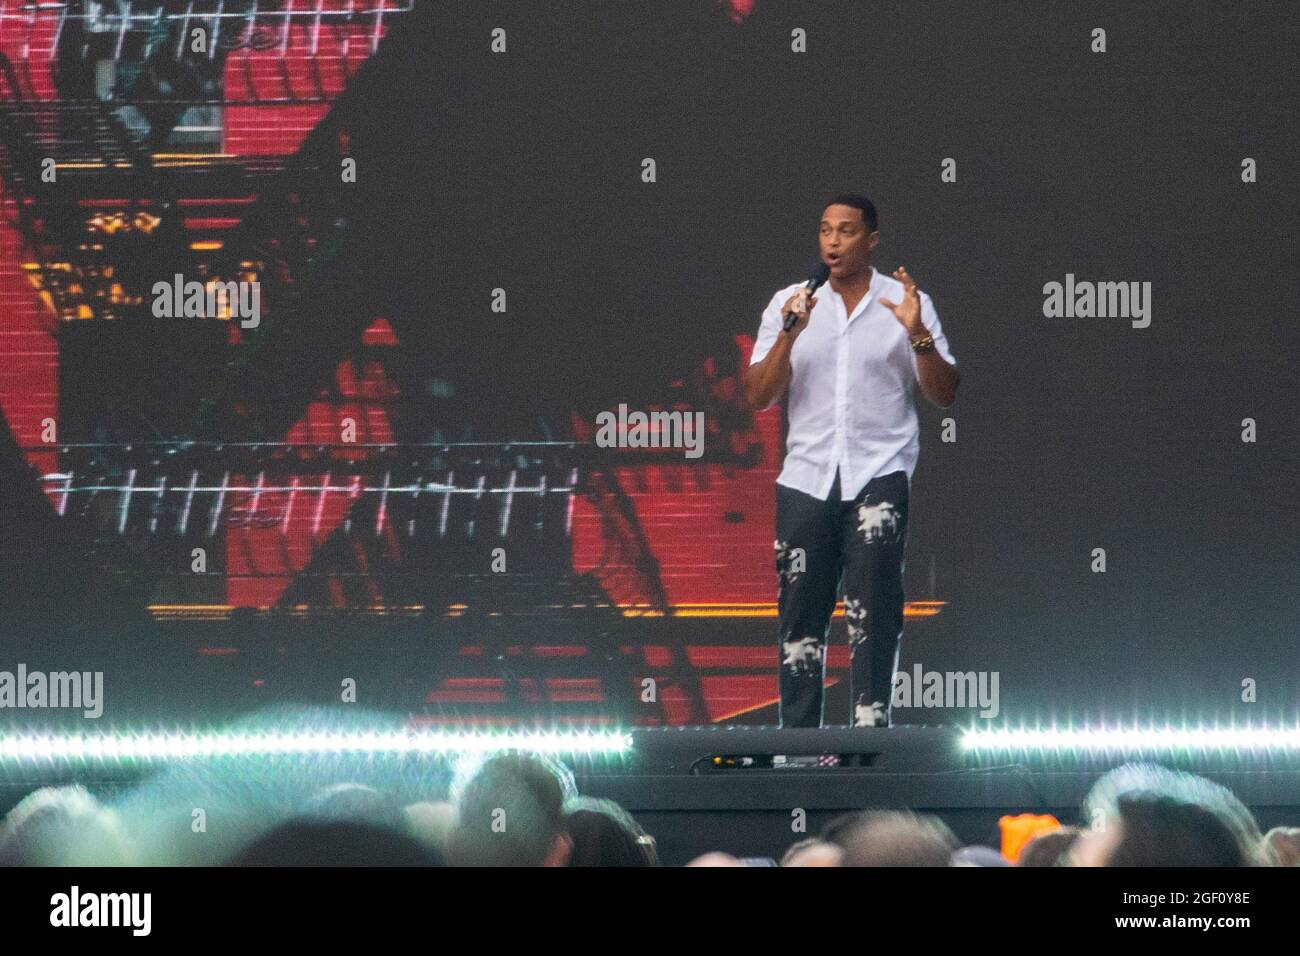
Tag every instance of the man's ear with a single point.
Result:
(561, 850)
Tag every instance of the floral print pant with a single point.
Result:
(819, 545)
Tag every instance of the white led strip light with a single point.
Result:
(1135, 739)
(180, 746)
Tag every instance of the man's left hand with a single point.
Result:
(908, 312)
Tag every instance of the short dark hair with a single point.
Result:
(604, 834)
(1146, 781)
(308, 842)
(1163, 831)
(857, 201)
(528, 791)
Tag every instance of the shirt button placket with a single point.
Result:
(841, 402)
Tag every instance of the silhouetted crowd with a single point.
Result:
(523, 810)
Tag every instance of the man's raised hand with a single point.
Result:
(908, 312)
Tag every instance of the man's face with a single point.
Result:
(845, 243)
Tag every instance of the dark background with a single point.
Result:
(524, 172)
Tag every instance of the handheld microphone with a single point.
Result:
(819, 275)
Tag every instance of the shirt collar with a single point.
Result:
(872, 291)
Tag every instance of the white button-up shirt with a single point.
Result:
(852, 388)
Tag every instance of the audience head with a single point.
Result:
(1152, 830)
(356, 803)
(812, 852)
(62, 826)
(335, 843)
(891, 838)
(1051, 848)
(1146, 815)
(1283, 845)
(716, 859)
(510, 812)
(978, 856)
(430, 825)
(604, 834)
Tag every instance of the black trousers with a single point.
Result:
(820, 544)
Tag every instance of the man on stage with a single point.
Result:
(851, 362)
